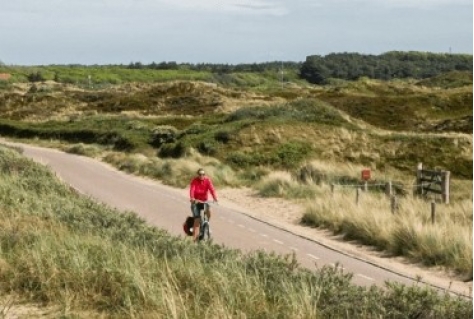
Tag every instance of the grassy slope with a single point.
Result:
(387, 126)
(371, 130)
(87, 260)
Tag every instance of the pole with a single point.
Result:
(445, 186)
(388, 189)
(433, 212)
(419, 176)
(393, 204)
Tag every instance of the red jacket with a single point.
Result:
(200, 187)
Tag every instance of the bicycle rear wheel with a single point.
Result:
(205, 233)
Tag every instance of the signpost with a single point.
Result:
(365, 177)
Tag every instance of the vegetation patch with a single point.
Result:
(247, 123)
(61, 248)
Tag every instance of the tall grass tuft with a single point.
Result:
(408, 231)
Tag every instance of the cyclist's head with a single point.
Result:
(201, 173)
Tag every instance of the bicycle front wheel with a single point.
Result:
(205, 232)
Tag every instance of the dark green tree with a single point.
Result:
(36, 77)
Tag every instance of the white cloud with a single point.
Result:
(261, 7)
(157, 7)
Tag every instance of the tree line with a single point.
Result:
(395, 64)
(220, 68)
(319, 69)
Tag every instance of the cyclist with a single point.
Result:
(199, 188)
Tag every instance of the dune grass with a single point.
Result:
(408, 232)
(60, 249)
(290, 142)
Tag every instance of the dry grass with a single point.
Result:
(408, 231)
(176, 172)
(89, 261)
(356, 136)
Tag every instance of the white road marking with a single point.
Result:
(365, 277)
(312, 256)
(241, 226)
(264, 235)
(278, 242)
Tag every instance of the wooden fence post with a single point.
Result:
(419, 176)
(332, 189)
(357, 195)
(393, 204)
(388, 189)
(433, 212)
(445, 186)
(366, 186)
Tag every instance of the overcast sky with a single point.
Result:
(34, 32)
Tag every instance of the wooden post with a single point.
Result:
(366, 187)
(357, 195)
(433, 212)
(445, 186)
(332, 189)
(419, 176)
(393, 204)
(388, 189)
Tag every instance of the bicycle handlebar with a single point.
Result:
(195, 201)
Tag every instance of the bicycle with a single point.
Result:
(204, 228)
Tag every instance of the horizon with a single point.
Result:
(217, 63)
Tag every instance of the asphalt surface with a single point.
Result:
(167, 207)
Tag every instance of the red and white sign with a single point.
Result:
(366, 174)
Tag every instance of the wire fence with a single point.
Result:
(382, 184)
(388, 186)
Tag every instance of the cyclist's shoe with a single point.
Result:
(201, 234)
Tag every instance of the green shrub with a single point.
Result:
(174, 150)
(208, 148)
(163, 134)
(223, 136)
(303, 110)
(239, 159)
(289, 155)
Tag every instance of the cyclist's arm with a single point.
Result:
(191, 190)
(212, 191)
